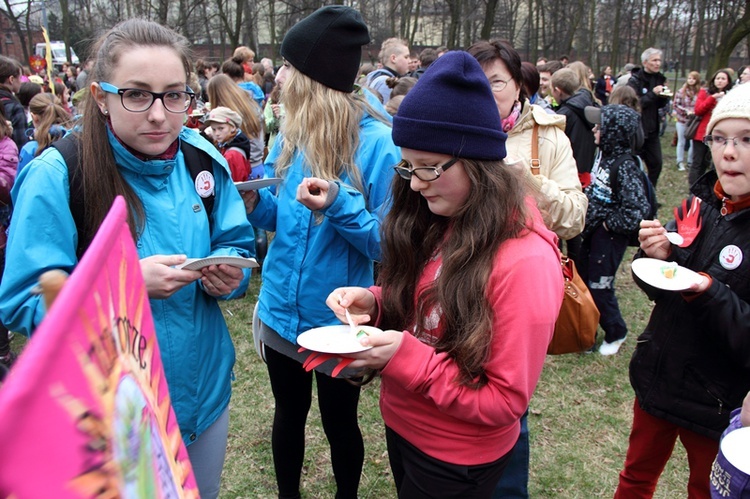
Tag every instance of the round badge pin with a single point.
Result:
(204, 184)
(730, 257)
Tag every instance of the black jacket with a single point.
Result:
(16, 115)
(691, 365)
(578, 129)
(643, 83)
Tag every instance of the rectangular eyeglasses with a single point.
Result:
(137, 100)
(425, 173)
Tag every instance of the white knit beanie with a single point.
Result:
(735, 104)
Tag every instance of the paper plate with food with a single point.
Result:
(665, 275)
(336, 339)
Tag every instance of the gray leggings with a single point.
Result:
(207, 456)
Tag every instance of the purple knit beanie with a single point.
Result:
(451, 110)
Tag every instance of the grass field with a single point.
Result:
(579, 418)
(579, 421)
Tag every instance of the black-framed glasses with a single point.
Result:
(137, 100)
(717, 141)
(498, 85)
(425, 173)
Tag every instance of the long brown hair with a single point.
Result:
(223, 91)
(692, 90)
(102, 180)
(50, 112)
(468, 243)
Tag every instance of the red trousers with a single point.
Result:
(652, 441)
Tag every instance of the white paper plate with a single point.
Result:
(736, 449)
(649, 271)
(234, 261)
(254, 185)
(334, 339)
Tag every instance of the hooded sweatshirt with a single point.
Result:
(237, 153)
(621, 211)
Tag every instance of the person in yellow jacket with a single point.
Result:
(555, 184)
(561, 199)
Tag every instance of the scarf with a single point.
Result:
(512, 118)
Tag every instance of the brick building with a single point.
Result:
(10, 43)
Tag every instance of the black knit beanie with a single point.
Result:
(451, 110)
(327, 46)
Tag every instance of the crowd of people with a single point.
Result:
(425, 186)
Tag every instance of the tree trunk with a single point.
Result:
(454, 28)
(489, 19)
(729, 41)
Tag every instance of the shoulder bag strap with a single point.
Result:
(535, 163)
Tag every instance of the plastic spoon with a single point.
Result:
(675, 238)
(352, 325)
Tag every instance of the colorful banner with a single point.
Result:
(86, 409)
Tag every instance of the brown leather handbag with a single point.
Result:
(575, 328)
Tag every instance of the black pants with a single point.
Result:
(419, 476)
(601, 255)
(338, 401)
(699, 162)
(650, 153)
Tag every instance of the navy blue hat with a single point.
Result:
(451, 110)
(327, 46)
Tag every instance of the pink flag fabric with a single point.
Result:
(86, 409)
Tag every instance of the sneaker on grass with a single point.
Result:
(611, 348)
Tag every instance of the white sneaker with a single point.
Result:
(611, 348)
(681, 167)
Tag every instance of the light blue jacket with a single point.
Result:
(309, 258)
(196, 349)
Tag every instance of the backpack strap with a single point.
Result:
(196, 162)
(535, 163)
(378, 73)
(68, 147)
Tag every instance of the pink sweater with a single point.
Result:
(420, 399)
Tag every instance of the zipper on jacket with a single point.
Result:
(721, 402)
(723, 211)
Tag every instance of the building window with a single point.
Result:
(8, 39)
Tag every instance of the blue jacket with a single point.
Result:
(254, 90)
(196, 349)
(309, 258)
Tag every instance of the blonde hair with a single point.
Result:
(582, 71)
(693, 89)
(323, 124)
(223, 91)
(243, 53)
(50, 112)
(389, 47)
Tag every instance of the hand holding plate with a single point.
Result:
(384, 345)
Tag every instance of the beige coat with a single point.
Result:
(561, 198)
